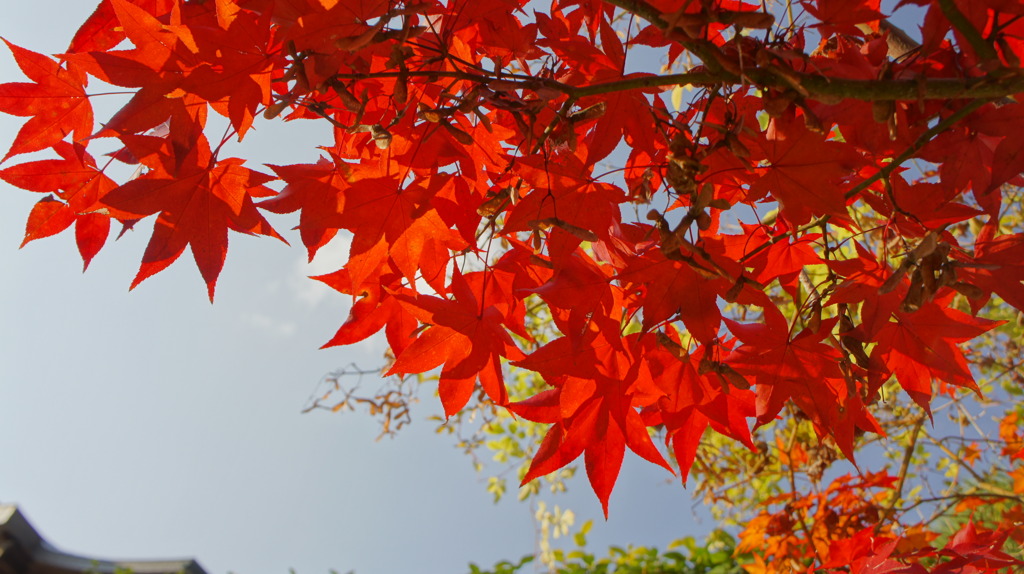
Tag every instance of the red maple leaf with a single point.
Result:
(582, 296)
(868, 553)
(804, 171)
(593, 414)
(466, 336)
(563, 193)
(671, 287)
(376, 307)
(197, 205)
(799, 368)
(156, 66)
(389, 221)
(625, 114)
(327, 26)
(997, 267)
(316, 190)
(56, 103)
(692, 401)
(921, 346)
(844, 12)
(102, 31)
(236, 55)
(76, 180)
(972, 551)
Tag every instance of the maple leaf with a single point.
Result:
(804, 171)
(582, 296)
(799, 368)
(389, 221)
(997, 267)
(672, 287)
(965, 159)
(921, 346)
(196, 206)
(74, 177)
(862, 275)
(48, 217)
(844, 12)
(768, 258)
(157, 45)
(329, 25)
(156, 65)
(692, 402)
(868, 553)
(235, 66)
(466, 337)
(562, 193)
(101, 31)
(591, 415)
(377, 307)
(56, 102)
(624, 115)
(970, 550)
(76, 180)
(492, 29)
(316, 190)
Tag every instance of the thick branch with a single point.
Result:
(817, 87)
(720, 72)
(641, 9)
(824, 87)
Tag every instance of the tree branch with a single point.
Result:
(961, 24)
(820, 87)
(897, 493)
(880, 174)
(986, 87)
(824, 87)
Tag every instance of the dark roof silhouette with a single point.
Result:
(24, 551)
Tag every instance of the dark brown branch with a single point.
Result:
(992, 86)
(982, 48)
(643, 10)
(819, 87)
(824, 87)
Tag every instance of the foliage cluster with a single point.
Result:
(818, 234)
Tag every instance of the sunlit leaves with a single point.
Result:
(766, 254)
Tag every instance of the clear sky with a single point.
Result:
(151, 424)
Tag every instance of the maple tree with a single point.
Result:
(805, 209)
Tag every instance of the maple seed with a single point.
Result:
(381, 136)
(587, 114)
(275, 109)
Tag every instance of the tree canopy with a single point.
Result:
(765, 235)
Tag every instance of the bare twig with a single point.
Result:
(897, 493)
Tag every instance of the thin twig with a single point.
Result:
(897, 493)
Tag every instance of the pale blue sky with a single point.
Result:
(151, 424)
